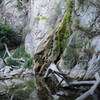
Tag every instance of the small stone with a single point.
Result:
(7, 69)
(8, 83)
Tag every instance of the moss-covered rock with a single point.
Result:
(56, 42)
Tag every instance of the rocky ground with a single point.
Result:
(15, 82)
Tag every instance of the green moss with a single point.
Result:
(43, 18)
(8, 36)
(65, 30)
(78, 40)
(71, 57)
(37, 19)
(86, 41)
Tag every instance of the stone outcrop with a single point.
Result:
(44, 15)
(73, 45)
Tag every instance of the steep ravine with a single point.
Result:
(62, 35)
(73, 45)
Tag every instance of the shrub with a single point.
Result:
(20, 52)
(29, 63)
(10, 61)
(20, 4)
(7, 35)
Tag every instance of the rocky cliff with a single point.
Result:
(64, 32)
(74, 44)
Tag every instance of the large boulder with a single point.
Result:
(44, 15)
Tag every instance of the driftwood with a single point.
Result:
(64, 77)
(7, 49)
(92, 89)
(82, 83)
(7, 52)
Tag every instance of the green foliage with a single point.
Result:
(11, 61)
(7, 34)
(65, 30)
(20, 52)
(29, 63)
(43, 18)
(20, 4)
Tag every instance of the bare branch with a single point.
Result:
(7, 49)
(92, 89)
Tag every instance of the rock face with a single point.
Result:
(74, 44)
(44, 15)
(64, 32)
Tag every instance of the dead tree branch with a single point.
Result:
(7, 50)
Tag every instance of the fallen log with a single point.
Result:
(82, 83)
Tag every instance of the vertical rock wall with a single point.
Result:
(44, 15)
(79, 30)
